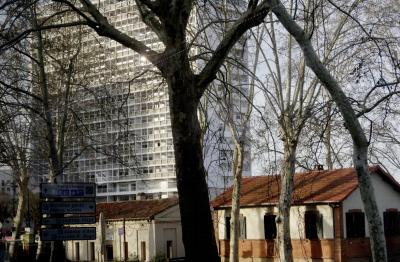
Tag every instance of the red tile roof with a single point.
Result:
(329, 186)
(135, 209)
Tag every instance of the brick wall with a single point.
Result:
(267, 248)
(313, 249)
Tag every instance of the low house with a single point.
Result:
(327, 218)
(136, 230)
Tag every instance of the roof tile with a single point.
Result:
(135, 209)
(309, 187)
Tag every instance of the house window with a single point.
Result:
(109, 252)
(227, 228)
(77, 251)
(143, 251)
(313, 225)
(355, 224)
(242, 227)
(92, 251)
(169, 249)
(269, 226)
(391, 220)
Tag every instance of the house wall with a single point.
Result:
(266, 250)
(154, 233)
(136, 231)
(84, 254)
(256, 249)
(386, 197)
(167, 227)
(332, 247)
(255, 221)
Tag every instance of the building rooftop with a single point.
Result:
(322, 186)
(135, 209)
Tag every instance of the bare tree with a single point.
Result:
(43, 81)
(16, 127)
(169, 20)
(360, 141)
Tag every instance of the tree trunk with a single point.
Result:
(197, 226)
(57, 252)
(285, 201)
(360, 142)
(237, 168)
(23, 190)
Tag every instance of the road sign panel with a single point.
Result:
(50, 190)
(68, 220)
(69, 233)
(58, 207)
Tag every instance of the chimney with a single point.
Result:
(318, 167)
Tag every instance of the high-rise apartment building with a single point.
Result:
(132, 148)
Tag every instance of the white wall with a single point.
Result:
(154, 232)
(165, 224)
(84, 250)
(386, 197)
(255, 221)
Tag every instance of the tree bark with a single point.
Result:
(285, 201)
(360, 142)
(169, 20)
(23, 190)
(197, 226)
(237, 167)
(57, 252)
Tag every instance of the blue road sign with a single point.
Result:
(58, 207)
(67, 190)
(68, 233)
(68, 220)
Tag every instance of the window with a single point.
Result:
(123, 187)
(142, 251)
(169, 249)
(109, 252)
(92, 251)
(355, 224)
(313, 224)
(242, 227)
(77, 252)
(391, 220)
(269, 226)
(101, 188)
(227, 228)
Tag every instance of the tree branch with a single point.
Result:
(251, 18)
(104, 28)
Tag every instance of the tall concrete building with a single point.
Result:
(142, 161)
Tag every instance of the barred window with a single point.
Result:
(391, 219)
(355, 224)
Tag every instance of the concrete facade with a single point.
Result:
(133, 139)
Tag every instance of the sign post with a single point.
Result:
(68, 190)
(63, 199)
